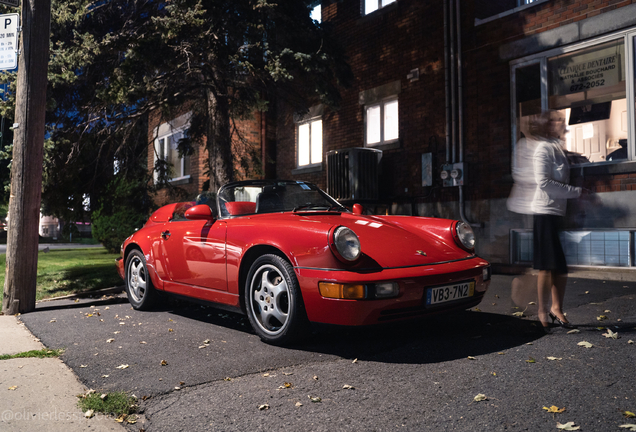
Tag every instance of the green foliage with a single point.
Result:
(123, 210)
(43, 353)
(63, 272)
(116, 403)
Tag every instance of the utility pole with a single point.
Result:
(26, 166)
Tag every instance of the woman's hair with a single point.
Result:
(540, 123)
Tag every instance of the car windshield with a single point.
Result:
(270, 197)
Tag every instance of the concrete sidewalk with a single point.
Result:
(40, 394)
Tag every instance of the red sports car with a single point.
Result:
(287, 254)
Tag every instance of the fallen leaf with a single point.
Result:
(630, 341)
(315, 377)
(203, 346)
(531, 360)
(601, 317)
(110, 340)
(554, 358)
(629, 414)
(53, 320)
(124, 366)
(477, 310)
(355, 361)
(117, 332)
(288, 373)
(585, 344)
(298, 404)
(471, 358)
(631, 427)
(607, 311)
(501, 353)
(143, 342)
(611, 334)
(263, 407)
(83, 366)
(554, 409)
(181, 383)
(227, 379)
(89, 413)
(517, 314)
(177, 388)
(103, 396)
(494, 373)
(265, 374)
(13, 387)
(480, 397)
(314, 398)
(164, 363)
(105, 376)
(207, 341)
(574, 331)
(286, 386)
(106, 308)
(348, 387)
(170, 330)
(121, 323)
(532, 303)
(569, 426)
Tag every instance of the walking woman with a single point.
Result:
(552, 174)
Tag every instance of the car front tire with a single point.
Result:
(274, 302)
(141, 294)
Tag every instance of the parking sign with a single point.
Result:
(9, 41)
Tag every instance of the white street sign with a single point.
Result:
(9, 41)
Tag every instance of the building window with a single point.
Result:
(587, 84)
(374, 5)
(316, 13)
(310, 143)
(166, 149)
(382, 125)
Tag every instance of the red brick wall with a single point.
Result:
(246, 147)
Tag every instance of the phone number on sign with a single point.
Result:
(588, 85)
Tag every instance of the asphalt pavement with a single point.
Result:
(198, 368)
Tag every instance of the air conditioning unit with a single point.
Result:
(352, 174)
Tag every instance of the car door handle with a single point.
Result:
(165, 235)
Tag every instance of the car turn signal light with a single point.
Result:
(342, 291)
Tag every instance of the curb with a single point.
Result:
(84, 294)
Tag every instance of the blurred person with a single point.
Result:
(552, 175)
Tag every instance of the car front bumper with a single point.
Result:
(410, 302)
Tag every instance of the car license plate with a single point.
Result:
(450, 292)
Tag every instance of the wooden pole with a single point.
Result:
(26, 166)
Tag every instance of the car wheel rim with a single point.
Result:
(270, 299)
(137, 281)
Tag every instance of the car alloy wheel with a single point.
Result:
(138, 284)
(273, 300)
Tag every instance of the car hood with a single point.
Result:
(392, 241)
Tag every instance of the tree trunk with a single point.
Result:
(219, 140)
(26, 167)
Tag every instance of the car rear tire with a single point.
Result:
(141, 294)
(274, 302)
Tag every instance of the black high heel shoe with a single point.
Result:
(563, 324)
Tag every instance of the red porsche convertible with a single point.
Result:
(287, 254)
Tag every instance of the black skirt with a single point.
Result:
(548, 252)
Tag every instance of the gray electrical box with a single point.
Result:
(427, 169)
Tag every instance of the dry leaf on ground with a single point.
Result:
(569, 426)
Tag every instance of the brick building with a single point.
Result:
(445, 94)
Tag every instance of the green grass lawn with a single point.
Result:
(63, 272)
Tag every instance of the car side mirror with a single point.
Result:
(199, 212)
(358, 209)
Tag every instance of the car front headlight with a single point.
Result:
(465, 235)
(346, 243)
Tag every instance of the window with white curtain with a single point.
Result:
(374, 5)
(310, 142)
(382, 122)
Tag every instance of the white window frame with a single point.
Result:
(182, 160)
(380, 4)
(630, 58)
(311, 123)
(381, 104)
